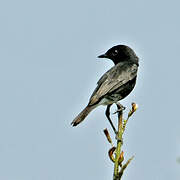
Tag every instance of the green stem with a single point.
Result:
(118, 149)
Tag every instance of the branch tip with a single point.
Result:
(108, 136)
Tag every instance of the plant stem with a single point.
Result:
(119, 144)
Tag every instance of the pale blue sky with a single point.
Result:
(48, 70)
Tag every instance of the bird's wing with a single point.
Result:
(113, 79)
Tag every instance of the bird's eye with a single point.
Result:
(115, 52)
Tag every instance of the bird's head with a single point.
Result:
(120, 53)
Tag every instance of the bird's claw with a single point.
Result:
(122, 108)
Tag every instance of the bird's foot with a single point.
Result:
(120, 108)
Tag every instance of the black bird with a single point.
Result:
(116, 83)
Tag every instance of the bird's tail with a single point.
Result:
(82, 115)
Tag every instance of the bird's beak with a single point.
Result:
(103, 56)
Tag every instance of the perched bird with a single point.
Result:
(116, 83)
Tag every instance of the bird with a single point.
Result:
(115, 84)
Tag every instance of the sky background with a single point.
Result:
(48, 70)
